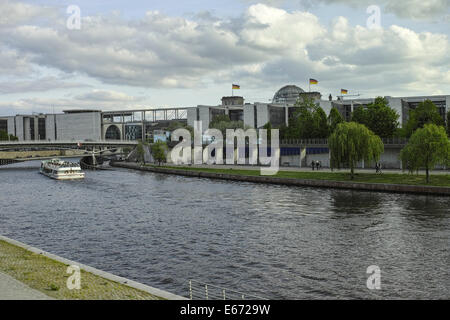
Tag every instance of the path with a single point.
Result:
(11, 289)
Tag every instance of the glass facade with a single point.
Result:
(4, 125)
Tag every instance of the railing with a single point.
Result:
(203, 291)
(302, 142)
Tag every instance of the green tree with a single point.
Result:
(378, 117)
(352, 142)
(321, 128)
(140, 151)
(159, 150)
(309, 121)
(426, 112)
(427, 147)
(218, 119)
(334, 119)
(5, 137)
(448, 123)
(179, 125)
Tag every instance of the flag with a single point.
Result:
(313, 81)
(236, 87)
(344, 91)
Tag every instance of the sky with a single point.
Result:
(145, 54)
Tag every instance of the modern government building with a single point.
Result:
(82, 125)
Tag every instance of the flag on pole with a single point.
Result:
(313, 81)
(344, 91)
(236, 87)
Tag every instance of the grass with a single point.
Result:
(50, 277)
(440, 180)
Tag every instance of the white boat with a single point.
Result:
(61, 170)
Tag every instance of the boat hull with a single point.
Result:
(77, 176)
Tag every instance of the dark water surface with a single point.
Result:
(272, 241)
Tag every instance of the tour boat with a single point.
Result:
(61, 170)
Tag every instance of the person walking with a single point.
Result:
(313, 164)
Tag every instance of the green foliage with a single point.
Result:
(334, 119)
(448, 123)
(5, 137)
(321, 128)
(309, 121)
(218, 119)
(427, 147)
(378, 117)
(141, 151)
(159, 150)
(426, 112)
(178, 125)
(352, 142)
(223, 122)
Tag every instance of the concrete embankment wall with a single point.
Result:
(378, 187)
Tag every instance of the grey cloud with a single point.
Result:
(38, 85)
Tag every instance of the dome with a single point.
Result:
(288, 94)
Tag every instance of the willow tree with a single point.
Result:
(426, 148)
(351, 143)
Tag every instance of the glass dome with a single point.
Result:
(288, 94)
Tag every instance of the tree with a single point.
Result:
(159, 150)
(378, 117)
(179, 125)
(426, 112)
(334, 119)
(321, 129)
(223, 122)
(217, 119)
(427, 147)
(448, 123)
(140, 151)
(309, 121)
(352, 142)
(5, 137)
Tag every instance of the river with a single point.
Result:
(271, 241)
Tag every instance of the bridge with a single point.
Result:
(20, 151)
(73, 144)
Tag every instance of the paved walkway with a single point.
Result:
(11, 289)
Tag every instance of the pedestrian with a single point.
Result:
(313, 164)
(377, 168)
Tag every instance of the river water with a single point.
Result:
(275, 242)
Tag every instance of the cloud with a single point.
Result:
(14, 12)
(107, 96)
(408, 9)
(264, 47)
(38, 85)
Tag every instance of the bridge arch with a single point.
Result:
(113, 132)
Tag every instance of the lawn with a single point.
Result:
(50, 277)
(441, 180)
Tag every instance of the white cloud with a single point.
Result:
(265, 47)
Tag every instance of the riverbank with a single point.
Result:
(46, 273)
(399, 183)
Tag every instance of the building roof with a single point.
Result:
(287, 94)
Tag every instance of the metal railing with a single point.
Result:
(203, 291)
(302, 142)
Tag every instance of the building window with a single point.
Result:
(41, 128)
(277, 116)
(4, 125)
(112, 133)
